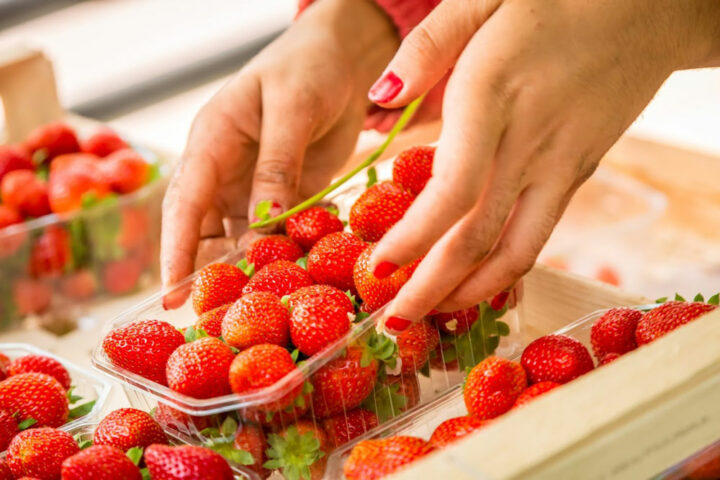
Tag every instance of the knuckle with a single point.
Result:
(278, 170)
(423, 42)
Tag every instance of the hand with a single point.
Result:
(539, 92)
(279, 130)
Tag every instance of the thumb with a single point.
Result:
(429, 51)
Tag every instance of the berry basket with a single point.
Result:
(704, 465)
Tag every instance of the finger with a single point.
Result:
(429, 51)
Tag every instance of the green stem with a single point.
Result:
(397, 128)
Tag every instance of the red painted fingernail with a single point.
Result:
(434, 312)
(498, 302)
(386, 88)
(397, 324)
(384, 270)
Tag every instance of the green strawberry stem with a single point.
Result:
(397, 128)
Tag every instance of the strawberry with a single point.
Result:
(667, 317)
(457, 322)
(126, 428)
(308, 226)
(261, 366)
(415, 344)
(343, 382)
(71, 188)
(375, 459)
(170, 418)
(217, 284)
(453, 429)
(31, 296)
(200, 368)
(703, 466)
(4, 365)
(492, 387)
(609, 358)
(41, 364)
(122, 276)
(556, 358)
(51, 140)
(211, 321)
(5, 473)
(250, 438)
(51, 252)
(75, 161)
(102, 143)
(412, 168)
(24, 191)
(126, 170)
(39, 452)
(609, 275)
(14, 158)
(345, 427)
(266, 250)
(10, 242)
(378, 209)
(281, 278)
(8, 429)
(320, 315)
(393, 395)
(143, 347)
(614, 332)
(37, 396)
(187, 462)
(534, 391)
(377, 292)
(134, 228)
(332, 259)
(79, 285)
(258, 317)
(100, 462)
(299, 451)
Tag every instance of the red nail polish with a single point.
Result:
(386, 88)
(498, 302)
(384, 270)
(397, 324)
(434, 311)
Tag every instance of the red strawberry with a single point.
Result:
(667, 317)
(378, 209)
(70, 188)
(168, 417)
(41, 364)
(37, 396)
(14, 158)
(24, 191)
(307, 227)
(250, 438)
(8, 429)
(51, 252)
(5, 473)
(211, 321)
(609, 358)
(614, 332)
(457, 322)
(39, 452)
(266, 250)
(79, 285)
(299, 451)
(75, 161)
(321, 314)
(126, 170)
(703, 466)
(408, 389)
(258, 317)
(375, 459)
(126, 428)
(143, 347)
(281, 278)
(200, 368)
(343, 383)
(492, 387)
(216, 285)
(534, 391)
(261, 366)
(344, 427)
(102, 143)
(412, 168)
(100, 463)
(134, 228)
(31, 296)
(453, 429)
(52, 140)
(187, 462)
(122, 276)
(4, 364)
(415, 344)
(556, 358)
(10, 242)
(332, 259)
(374, 291)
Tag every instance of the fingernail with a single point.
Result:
(498, 302)
(397, 324)
(386, 88)
(384, 270)
(434, 312)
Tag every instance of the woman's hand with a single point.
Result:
(279, 130)
(540, 90)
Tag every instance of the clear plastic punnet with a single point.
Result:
(392, 390)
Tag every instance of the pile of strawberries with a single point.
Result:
(496, 385)
(36, 391)
(296, 296)
(123, 442)
(53, 171)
